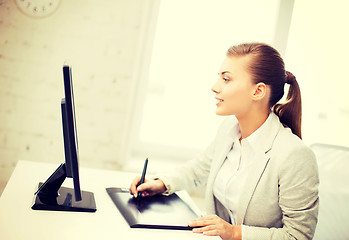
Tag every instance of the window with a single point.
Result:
(177, 116)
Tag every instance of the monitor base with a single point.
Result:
(65, 201)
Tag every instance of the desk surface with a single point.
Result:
(19, 221)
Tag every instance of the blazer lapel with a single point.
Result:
(260, 162)
(257, 170)
(224, 145)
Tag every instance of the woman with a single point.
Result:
(262, 180)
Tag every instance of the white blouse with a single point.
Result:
(232, 175)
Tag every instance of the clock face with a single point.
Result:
(37, 8)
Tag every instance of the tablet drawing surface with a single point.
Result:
(159, 211)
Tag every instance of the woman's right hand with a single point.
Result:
(150, 187)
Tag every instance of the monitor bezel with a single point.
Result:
(70, 132)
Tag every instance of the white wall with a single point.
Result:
(101, 40)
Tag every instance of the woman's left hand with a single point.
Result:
(215, 226)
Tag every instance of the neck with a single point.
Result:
(250, 122)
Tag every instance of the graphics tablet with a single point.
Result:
(159, 211)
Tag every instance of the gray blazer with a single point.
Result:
(280, 198)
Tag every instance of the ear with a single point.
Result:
(259, 91)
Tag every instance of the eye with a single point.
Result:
(226, 79)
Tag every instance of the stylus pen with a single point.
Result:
(142, 178)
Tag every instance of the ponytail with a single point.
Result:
(290, 112)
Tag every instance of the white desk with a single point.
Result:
(19, 221)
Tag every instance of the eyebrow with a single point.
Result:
(224, 73)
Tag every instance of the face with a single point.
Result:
(234, 87)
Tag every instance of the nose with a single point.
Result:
(215, 88)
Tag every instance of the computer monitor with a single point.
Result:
(50, 194)
(71, 148)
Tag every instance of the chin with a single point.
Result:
(221, 113)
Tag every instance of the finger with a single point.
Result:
(144, 187)
(212, 232)
(201, 222)
(204, 229)
(145, 194)
(133, 187)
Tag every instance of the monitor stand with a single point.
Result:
(53, 197)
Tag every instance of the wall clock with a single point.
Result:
(37, 8)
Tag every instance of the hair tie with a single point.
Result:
(289, 77)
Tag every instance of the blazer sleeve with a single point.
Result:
(298, 199)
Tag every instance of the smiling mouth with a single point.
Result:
(219, 100)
